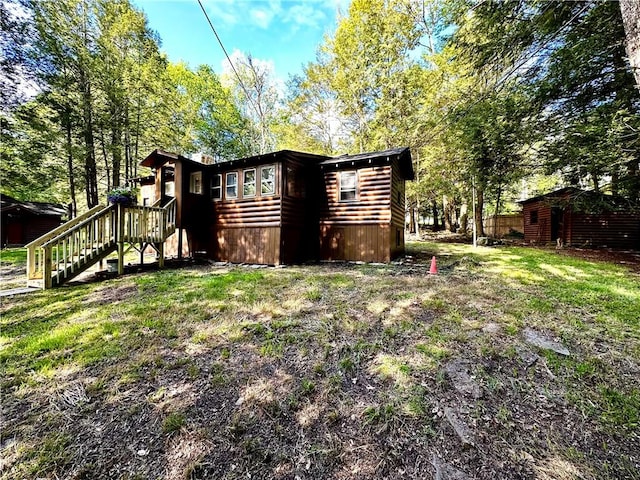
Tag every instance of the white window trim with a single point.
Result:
(226, 185)
(354, 189)
(273, 192)
(219, 187)
(255, 178)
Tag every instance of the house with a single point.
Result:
(286, 207)
(23, 222)
(579, 217)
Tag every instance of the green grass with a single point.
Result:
(13, 256)
(261, 357)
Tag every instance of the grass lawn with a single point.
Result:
(328, 371)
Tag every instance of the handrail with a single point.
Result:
(89, 238)
(64, 227)
(78, 226)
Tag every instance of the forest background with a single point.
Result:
(497, 100)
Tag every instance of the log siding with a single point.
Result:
(304, 218)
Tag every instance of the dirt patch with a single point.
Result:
(109, 295)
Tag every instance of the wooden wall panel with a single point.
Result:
(259, 245)
(373, 202)
(365, 243)
(398, 214)
(504, 224)
(253, 212)
(612, 229)
(539, 232)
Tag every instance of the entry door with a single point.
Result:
(557, 217)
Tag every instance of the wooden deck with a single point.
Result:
(73, 247)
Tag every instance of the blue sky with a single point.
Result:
(285, 32)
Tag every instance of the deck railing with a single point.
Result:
(79, 243)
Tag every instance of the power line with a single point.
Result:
(246, 92)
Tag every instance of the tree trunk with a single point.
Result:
(434, 212)
(412, 217)
(69, 148)
(128, 168)
(464, 218)
(495, 216)
(105, 159)
(90, 170)
(116, 146)
(448, 208)
(631, 19)
(479, 209)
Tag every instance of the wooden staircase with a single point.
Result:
(70, 249)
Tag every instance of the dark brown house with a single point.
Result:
(287, 207)
(579, 217)
(23, 222)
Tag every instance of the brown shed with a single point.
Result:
(287, 206)
(23, 222)
(579, 217)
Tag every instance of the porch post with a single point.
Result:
(120, 238)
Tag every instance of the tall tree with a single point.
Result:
(630, 10)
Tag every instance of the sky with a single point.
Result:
(285, 33)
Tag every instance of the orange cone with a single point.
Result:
(434, 268)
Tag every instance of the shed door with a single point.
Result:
(15, 232)
(557, 217)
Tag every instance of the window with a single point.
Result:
(195, 183)
(216, 187)
(398, 237)
(169, 189)
(347, 186)
(232, 185)
(249, 183)
(533, 217)
(268, 180)
(146, 201)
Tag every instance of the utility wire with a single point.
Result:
(244, 89)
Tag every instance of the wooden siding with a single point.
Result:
(365, 243)
(612, 229)
(398, 214)
(259, 245)
(539, 232)
(254, 212)
(372, 205)
(23, 229)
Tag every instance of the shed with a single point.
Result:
(579, 217)
(23, 222)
